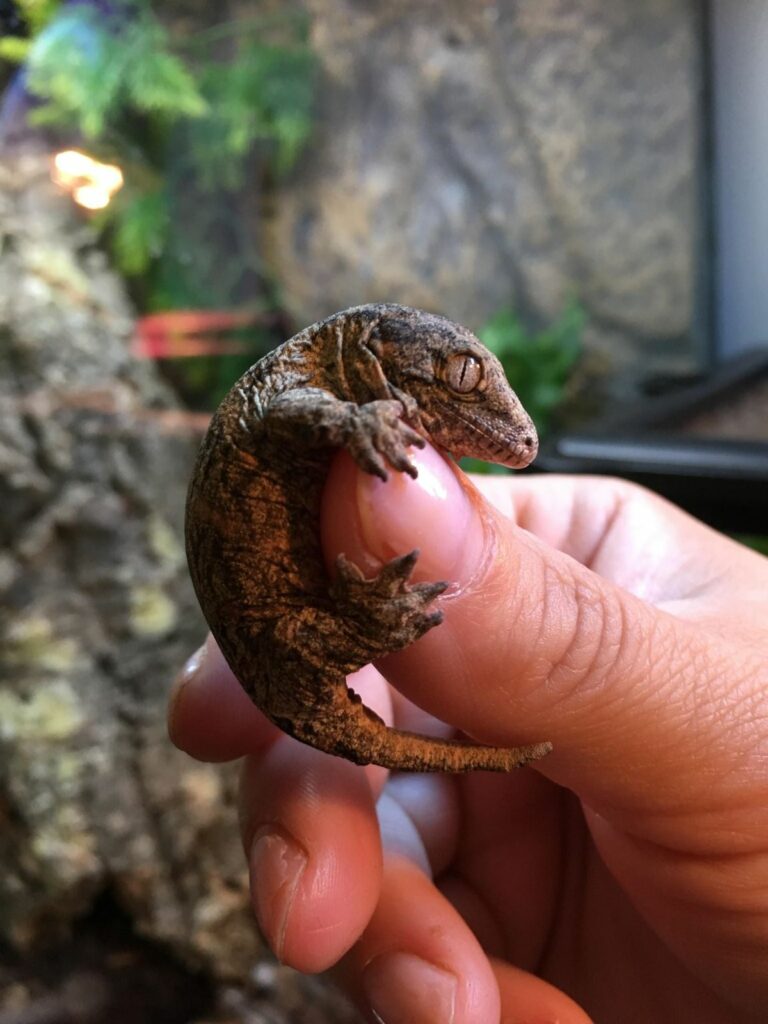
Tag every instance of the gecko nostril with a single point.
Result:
(528, 441)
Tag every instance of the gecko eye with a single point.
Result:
(463, 373)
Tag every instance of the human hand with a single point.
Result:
(629, 869)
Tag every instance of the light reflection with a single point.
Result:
(432, 481)
(90, 182)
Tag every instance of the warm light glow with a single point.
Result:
(90, 182)
(92, 197)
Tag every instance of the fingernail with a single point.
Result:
(399, 834)
(190, 671)
(402, 988)
(435, 513)
(192, 666)
(277, 863)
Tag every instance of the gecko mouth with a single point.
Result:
(482, 441)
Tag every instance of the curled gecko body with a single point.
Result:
(374, 380)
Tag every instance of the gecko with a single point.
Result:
(374, 380)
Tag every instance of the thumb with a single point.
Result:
(534, 646)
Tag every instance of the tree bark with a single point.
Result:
(96, 807)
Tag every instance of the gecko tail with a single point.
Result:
(356, 733)
(407, 751)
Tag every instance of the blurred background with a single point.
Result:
(182, 187)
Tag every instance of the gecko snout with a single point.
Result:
(523, 452)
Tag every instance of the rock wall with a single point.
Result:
(472, 156)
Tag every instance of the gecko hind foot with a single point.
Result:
(388, 611)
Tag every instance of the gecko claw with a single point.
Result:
(374, 464)
(399, 568)
(387, 609)
(432, 619)
(429, 591)
(347, 569)
(411, 437)
(377, 435)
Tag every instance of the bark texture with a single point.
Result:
(97, 615)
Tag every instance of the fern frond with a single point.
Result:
(75, 65)
(263, 95)
(155, 79)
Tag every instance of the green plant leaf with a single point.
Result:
(537, 365)
(89, 73)
(140, 229)
(13, 49)
(37, 13)
(75, 66)
(185, 112)
(157, 81)
(261, 96)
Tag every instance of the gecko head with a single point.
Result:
(465, 403)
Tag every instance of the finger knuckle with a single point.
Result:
(595, 639)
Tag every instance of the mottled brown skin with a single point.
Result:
(374, 380)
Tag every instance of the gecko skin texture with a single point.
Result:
(374, 380)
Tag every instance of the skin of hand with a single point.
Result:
(629, 868)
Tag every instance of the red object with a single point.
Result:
(183, 333)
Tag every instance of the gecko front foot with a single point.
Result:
(379, 435)
(387, 612)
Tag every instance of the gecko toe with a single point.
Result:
(386, 611)
(426, 621)
(399, 568)
(376, 466)
(403, 463)
(347, 570)
(429, 591)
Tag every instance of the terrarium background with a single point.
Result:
(498, 162)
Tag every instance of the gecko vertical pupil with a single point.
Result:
(463, 373)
